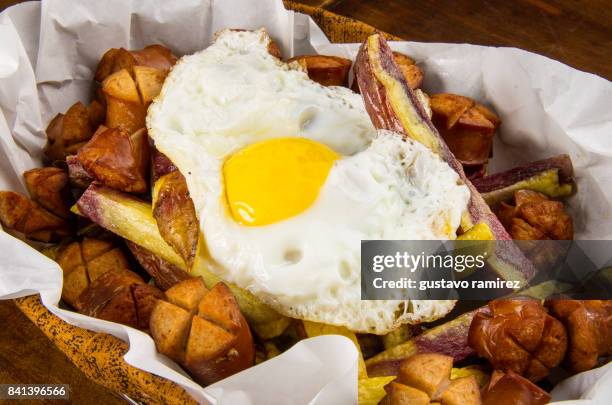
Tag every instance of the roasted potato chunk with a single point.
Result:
(153, 56)
(175, 215)
(163, 272)
(68, 132)
(519, 336)
(325, 70)
(149, 82)
(120, 296)
(22, 215)
(117, 159)
(466, 126)
(425, 378)
(589, 328)
(124, 109)
(48, 186)
(203, 330)
(84, 262)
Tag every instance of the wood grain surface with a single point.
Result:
(28, 356)
(578, 33)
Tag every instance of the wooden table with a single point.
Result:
(577, 33)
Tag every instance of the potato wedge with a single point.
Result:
(117, 159)
(324, 69)
(132, 219)
(48, 186)
(22, 215)
(175, 215)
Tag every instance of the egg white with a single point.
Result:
(233, 94)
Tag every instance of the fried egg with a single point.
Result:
(288, 176)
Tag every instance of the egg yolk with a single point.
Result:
(276, 179)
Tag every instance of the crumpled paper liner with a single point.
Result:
(47, 60)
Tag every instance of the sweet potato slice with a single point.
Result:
(393, 105)
(163, 272)
(324, 69)
(411, 71)
(117, 159)
(160, 165)
(132, 219)
(77, 175)
(48, 186)
(175, 215)
(20, 214)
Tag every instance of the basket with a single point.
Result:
(100, 356)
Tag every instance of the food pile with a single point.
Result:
(118, 216)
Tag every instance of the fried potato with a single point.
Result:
(115, 59)
(48, 186)
(66, 132)
(20, 214)
(132, 219)
(163, 272)
(216, 343)
(175, 215)
(466, 126)
(117, 159)
(124, 109)
(149, 82)
(77, 175)
(324, 69)
(160, 165)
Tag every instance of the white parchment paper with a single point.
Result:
(48, 54)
